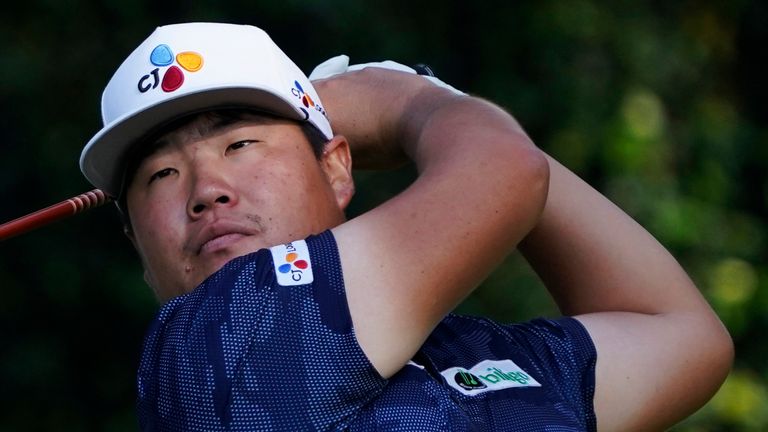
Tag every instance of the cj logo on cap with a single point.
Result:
(173, 77)
(306, 100)
(292, 264)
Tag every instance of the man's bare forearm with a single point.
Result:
(640, 307)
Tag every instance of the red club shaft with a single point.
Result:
(66, 208)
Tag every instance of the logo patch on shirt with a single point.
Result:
(292, 264)
(488, 375)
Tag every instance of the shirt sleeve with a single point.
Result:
(266, 343)
(564, 349)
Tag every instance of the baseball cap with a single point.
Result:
(182, 69)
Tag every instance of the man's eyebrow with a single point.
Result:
(201, 129)
(199, 126)
(150, 148)
(212, 125)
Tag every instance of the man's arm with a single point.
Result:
(661, 350)
(481, 186)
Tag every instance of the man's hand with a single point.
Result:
(365, 109)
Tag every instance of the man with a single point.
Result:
(218, 147)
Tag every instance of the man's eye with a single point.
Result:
(162, 173)
(240, 144)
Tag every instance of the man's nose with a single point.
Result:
(210, 189)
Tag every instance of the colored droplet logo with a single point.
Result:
(292, 261)
(161, 55)
(173, 77)
(190, 61)
(306, 100)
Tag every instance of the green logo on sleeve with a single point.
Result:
(468, 381)
(488, 375)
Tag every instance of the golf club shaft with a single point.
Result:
(66, 208)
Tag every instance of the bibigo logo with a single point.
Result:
(488, 375)
(173, 76)
(292, 263)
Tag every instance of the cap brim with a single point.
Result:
(108, 148)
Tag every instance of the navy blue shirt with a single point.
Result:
(267, 343)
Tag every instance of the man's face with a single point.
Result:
(212, 193)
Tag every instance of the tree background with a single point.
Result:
(660, 105)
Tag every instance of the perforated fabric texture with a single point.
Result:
(242, 352)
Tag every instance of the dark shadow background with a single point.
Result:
(660, 105)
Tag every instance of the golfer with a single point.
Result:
(232, 171)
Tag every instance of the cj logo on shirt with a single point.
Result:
(292, 264)
(488, 375)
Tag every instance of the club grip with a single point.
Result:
(66, 208)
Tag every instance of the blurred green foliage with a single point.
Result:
(660, 105)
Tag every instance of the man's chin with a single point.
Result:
(203, 266)
(209, 264)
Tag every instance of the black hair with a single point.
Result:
(151, 143)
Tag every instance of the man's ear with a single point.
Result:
(336, 162)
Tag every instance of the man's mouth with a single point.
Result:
(219, 243)
(218, 236)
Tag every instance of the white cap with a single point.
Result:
(186, 68)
